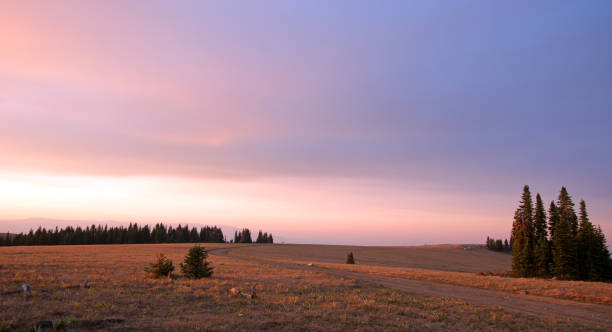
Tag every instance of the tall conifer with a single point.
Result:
(541, 246)
(565, 260)
(523, 237)
(601, 270)
(585, 242)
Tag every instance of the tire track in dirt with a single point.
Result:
(592, 315)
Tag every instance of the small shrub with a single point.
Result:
(61, 324)
(35, 328)
(6, 326)
(350, 259)
(162, 267)
(195, 265)
(438, 316)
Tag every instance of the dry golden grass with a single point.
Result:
(287, 299)
(593, 292)
(448, 257)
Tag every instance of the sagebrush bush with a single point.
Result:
(162, 267)
(195, 265)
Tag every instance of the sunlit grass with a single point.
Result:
(287, 299)
(593, 292)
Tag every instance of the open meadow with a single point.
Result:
(443, 257)
(465, 265)
(122, 297)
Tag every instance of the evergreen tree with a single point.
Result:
(542, 258)
(195, 265)
(601, 270)
(194, 236)
(553, 218)
(246, 236)
(497, 245)
(566, 211)
(243, 236)
(162, 267)
(260, 237)
(585, 243)
(523, 237)
(565, 264)
(539, 219)
(350, 259)
(541, 246)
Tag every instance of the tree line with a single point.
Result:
(498, 245)
(558, 243)
(134, 233)
(244, 236)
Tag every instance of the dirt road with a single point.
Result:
(593, 315)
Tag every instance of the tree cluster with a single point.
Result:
(498, 245)
(134, 233)
(243, 236)
(264, 238)
(562, 244)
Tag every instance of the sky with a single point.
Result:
(345, 122)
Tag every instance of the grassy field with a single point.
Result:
(123, 298)
(449, 257)
(395, 262)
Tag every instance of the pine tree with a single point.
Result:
(585, 243)
(553, 218)
(195, 265)
(194, 236)
(601, 270)
(541, 246)
(162, 267)
(539, 219)
(565, 260)
(245, 236)
(566, 211)
(350, 259)
(523, 237)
